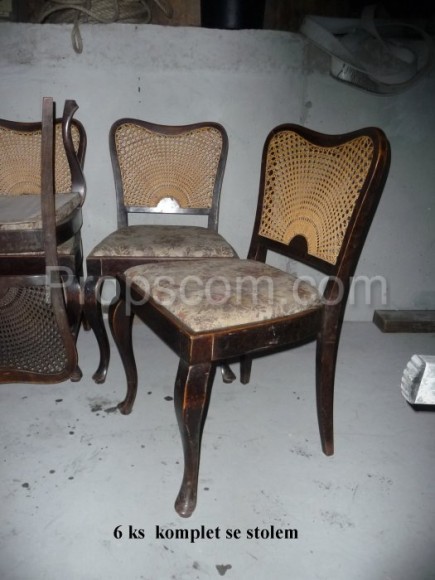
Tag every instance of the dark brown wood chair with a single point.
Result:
(39, 309)
(21, 241)
(158, 169)
(318, 194)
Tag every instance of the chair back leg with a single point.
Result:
(326, 359)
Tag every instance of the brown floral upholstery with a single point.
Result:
(212, 294)
(23, 212)
(65, 249)
(164, 242)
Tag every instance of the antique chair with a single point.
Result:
(158, 169)
(318, 194)
(39, 311)
(21, 247)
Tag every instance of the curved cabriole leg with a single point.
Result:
(85, 322)
(191, 398)
(76, 375)
(73, 304)
(81, 277)
(327, 347)
(121, 327)
(74, 313)
(245, 369)
(94, 316)
(227, 374)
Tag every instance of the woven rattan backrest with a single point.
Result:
(30, 340)
(20, 157)
(168, 169)
(312, 185)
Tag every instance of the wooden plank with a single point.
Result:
(405, 320)
(185, 13)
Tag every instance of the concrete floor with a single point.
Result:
(73, 470)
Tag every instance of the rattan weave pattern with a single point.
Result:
(29, 335)
(155, 166)
(311, 190)
(20, 161)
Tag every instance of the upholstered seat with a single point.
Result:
(155, 241)
(207, 295)
(64, 252)
(23, 212)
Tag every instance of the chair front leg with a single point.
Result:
(94, 316)
(121, 326)
(191, 399)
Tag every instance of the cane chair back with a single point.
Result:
(32, 346)
(20, 157)
(164, 169)
(313, 188)
(321, 186)
(37, 343)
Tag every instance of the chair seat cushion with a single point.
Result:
(23, 212)
(211, 294)
(68, 248)
(154, 241)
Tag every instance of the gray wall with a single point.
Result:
(249, 81)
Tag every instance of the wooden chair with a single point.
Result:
(21, 241)
(158, 169)
(37, 324)
(318, 194)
